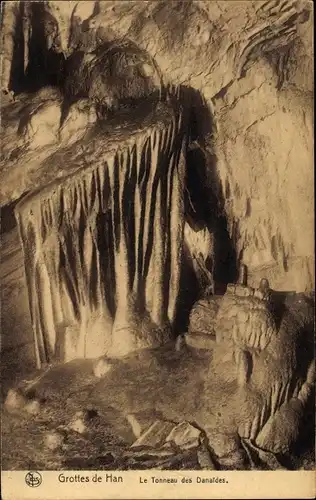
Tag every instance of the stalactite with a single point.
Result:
(137, 222)
(103, 249)
(27, 32)
(176, 230)
(8, 28)
(153, 282)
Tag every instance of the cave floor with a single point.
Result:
(105, 445)
(63, 391)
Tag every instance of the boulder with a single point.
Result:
(155, 436)
(282, 429)
(203, 315)
(53, 440)
(185, 436)
(15, 401)
(79, 422)
(33, 407)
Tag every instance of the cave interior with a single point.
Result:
(124, 255)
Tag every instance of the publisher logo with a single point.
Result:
(33, 479)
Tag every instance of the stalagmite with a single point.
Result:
(103, 245)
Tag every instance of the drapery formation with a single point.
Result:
(103, 249)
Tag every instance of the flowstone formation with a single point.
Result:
(98, 243)
(102, 223)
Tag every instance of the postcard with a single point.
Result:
(157, 249)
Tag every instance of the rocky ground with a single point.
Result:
(47, 441)
(66, 423)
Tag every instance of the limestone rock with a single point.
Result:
(101, 367)
(200, 246)
(113, 73)
(226, 449)
(203, 315)
(202, 322)
(243, 361)
(239, 290)
(282, 429)
(63, 15)
(42, 127)
(53, 440)
(149, 452)
(306, 390)
(259, 458)
(15, 401)
(205, 460)
(185, 436)
(246, 320)
(155, 436)
(78, 425)
(33, 407)
(81, 115)
(223, 444)
(200, 341)
(180, 343)
(235, 460)
(79, 422)
(140, 422)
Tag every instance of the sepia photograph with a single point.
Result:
(157, 262)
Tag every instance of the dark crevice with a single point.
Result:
(204, 207)
(46, 65)
(7, 216)
(223, 91)
(17, 73)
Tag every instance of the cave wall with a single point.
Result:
(263, 118)
(252, 61)
(17, 345)
(265, 159)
